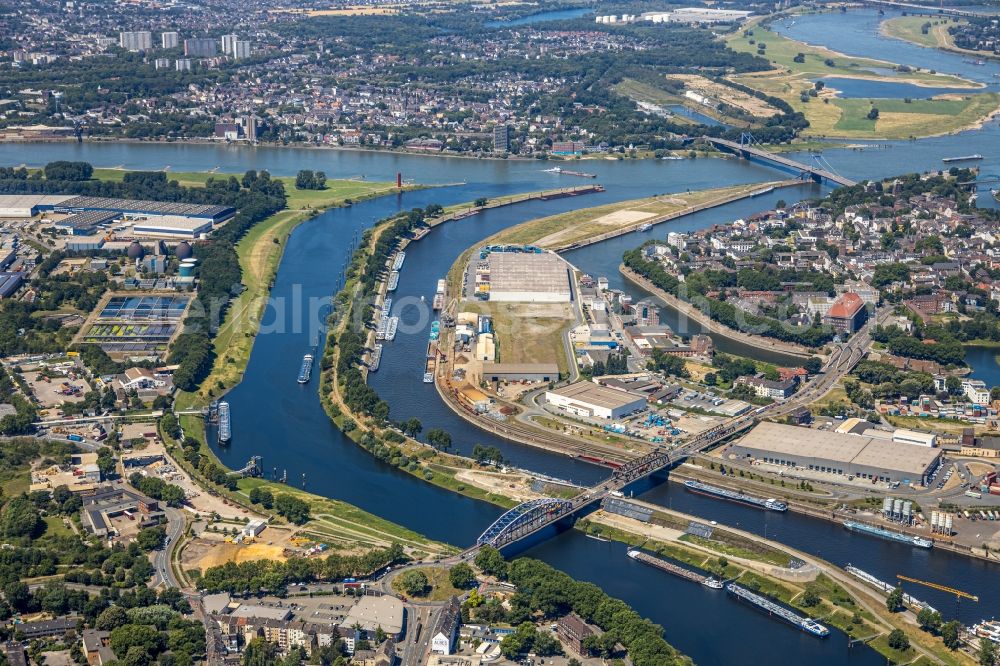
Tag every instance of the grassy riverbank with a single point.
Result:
(342, 525)
(910, 29)
(259, 253)
(833, 116)
(582, 225)
(831, 596)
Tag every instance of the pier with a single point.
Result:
(748, 151)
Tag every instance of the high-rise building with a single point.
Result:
(501, 138)
(140, 40)
(200, 47)
(170, 40)
(162, 63)
(182, 64)
(249, 125)
(229, 44)
(241, 49)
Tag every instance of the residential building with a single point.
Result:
(847, 314)
(768, 388)
(572, 631)
(170, 40)
(140, 40)
(501, 138)
(446, 629)
(200, 47)
(976, 391)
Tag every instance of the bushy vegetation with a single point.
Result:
(545, 593)
(273, 575)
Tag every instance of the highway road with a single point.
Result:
(164, 573)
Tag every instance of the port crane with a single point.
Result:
(959, 594)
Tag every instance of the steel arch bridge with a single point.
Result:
(523, 519)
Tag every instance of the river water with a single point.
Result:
(284, 422)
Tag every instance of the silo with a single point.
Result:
(934, 521)
(908, 512)
(948, 524)
(887, 507)
(897, 509)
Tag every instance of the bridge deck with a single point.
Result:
(783, 161)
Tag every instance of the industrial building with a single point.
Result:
(173, 227)
(520, 372)
(525, 277)
(594, 401)
(836, 454)
(28, 205)
(9, 284)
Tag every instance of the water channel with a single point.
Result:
(284, 422)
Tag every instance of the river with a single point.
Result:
(284, 422)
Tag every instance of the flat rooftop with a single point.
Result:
(856, 449)
(595, 394)
(521, 271)
(373, 612)
(31, 200)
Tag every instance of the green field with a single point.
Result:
(909, 28)
(832, 116)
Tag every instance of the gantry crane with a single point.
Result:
(959, 594)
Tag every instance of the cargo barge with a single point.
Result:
(687, 574)
(225, 432)
(567, 172)
(733, 496)
(375, 359)
(962, 158)
(392, 323)
(875, 530)
(806, 624)
(305, 371)
(885, 587)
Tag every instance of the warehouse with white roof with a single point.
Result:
(836, 454)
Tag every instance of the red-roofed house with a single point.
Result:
(847, 314)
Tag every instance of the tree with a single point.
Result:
(411, 426)
(873, 113)
(949, 634)
(929, 620)
(813, 365)
(143, 636)
(439, 439)
(462, 576)
(17, 594)
(19, 518)
(292, 508)
(810, 596)
(491, 562)
(261, 496)
(895, 600)
(987, 652)
(898, 641)
(259, 652)
(151, 538)
(111, 618)
(413, 582)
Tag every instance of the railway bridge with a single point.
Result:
(749, 149)
(532, 517)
